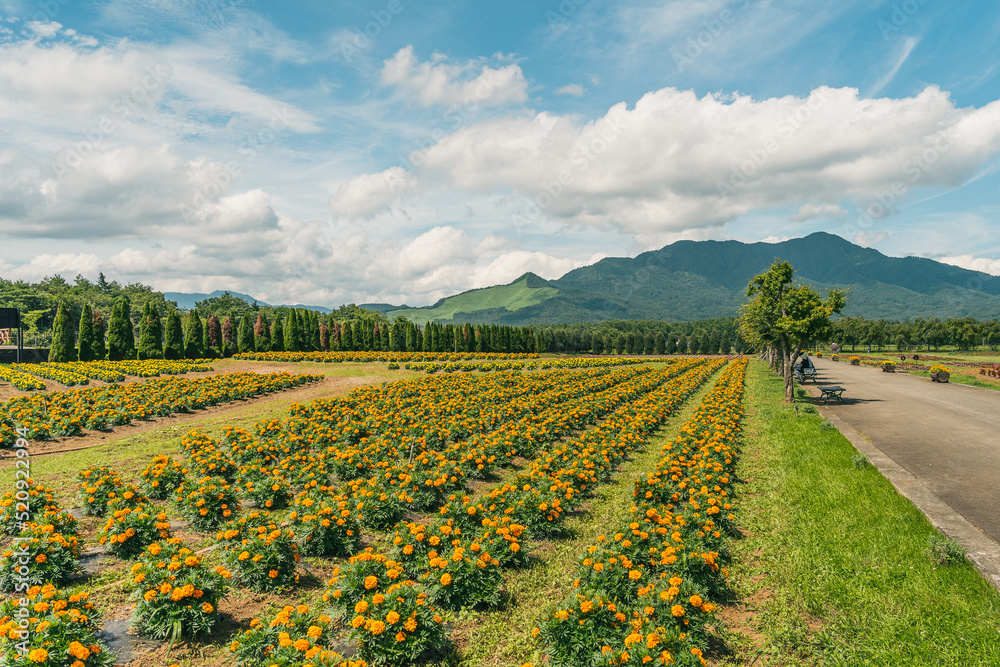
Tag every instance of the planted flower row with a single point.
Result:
(488, 367)
(642, 594)
(60, 414)
(379, 357)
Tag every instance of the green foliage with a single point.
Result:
(194, 337)
(87, 347)
(262, 334)
(150, 333)
(244, 335)
(944, 551)
(173, 347)
(277, 336)
(63, 337)
(121, 337)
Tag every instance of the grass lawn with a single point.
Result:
(834, 563)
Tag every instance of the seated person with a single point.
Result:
(805, 362)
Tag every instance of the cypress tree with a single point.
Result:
(314, 341)
(621, 344)
(86, 347)
(659, 343)
(292, 334)
(324, 338)
(150, 333)
(682, 345)
(100, 350)
(724, 343)
(262, 334)
(228, 337)
(596, 344)
(173, 347)
(244, 335)
(121, 338)
(63, 337)
(277, 335)
(213, 336)
(671, 344)
(194, 338)
(647, 344)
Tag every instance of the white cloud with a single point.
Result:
(870, 239)
(572, 89)
(810, 211)
(984, 264)
(440, 83)
(368, 194)
(677, 162)
(905, 49)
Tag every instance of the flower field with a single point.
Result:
(379, 357)
(73, 373)
(59, 414)
(419, 497)
(489, 367)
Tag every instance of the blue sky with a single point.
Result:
(400, 151)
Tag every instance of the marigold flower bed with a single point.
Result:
(58, 414)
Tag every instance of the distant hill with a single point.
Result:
(187, 300)
(690, 280)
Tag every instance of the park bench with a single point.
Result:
(830, 392)
(804, 374)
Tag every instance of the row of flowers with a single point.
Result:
(75, 373)
(58, 414)
(380, 357)
(488, 367)
(642, 593)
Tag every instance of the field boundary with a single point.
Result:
(983, 552)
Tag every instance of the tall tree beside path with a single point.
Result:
(121, 334)
(63, 337)
(244, 335)
(782, 318)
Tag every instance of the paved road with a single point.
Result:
(945, 435)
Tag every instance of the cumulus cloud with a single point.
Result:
(677, 162)
(984, 264)
(368, 194)
(441, 83)
(572, 89)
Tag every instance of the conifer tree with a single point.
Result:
(194, 337)
(63, 347)
(121, 337)
(86, 345)
(292, 333)
(228, 338)
(324, 338)
(244, 335)
(659, 343)
(97, 342)
(150, 333)
(213, 336)
(262, 334)
(277, 335)
(682, 345)
(173, 346)
(671, 344)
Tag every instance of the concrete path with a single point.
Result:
(939, 444)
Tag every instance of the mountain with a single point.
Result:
(690, 280)
(187, 300)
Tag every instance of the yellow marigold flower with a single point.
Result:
(445, 579)
(38, 655)
(677, 610)
(696, 600)
(302, 644)
(207, 608)
(392, 617)
(273, 574)
(410, 625)
(314, 632)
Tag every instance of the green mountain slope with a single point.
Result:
(691, 280)
(527, 290)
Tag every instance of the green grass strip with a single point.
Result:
(836, 562)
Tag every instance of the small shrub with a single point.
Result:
(175, 594)
(98, 485)
(294, 636)
(827, 425)
(943, 551)
(26, 505)
(129, 530)
(206, 502)
(860, 461)
(162, 477)
(260, 553)
(50, 558)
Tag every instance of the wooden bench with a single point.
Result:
(804, 374)
(830, 392)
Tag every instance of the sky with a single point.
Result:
(400, 151)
